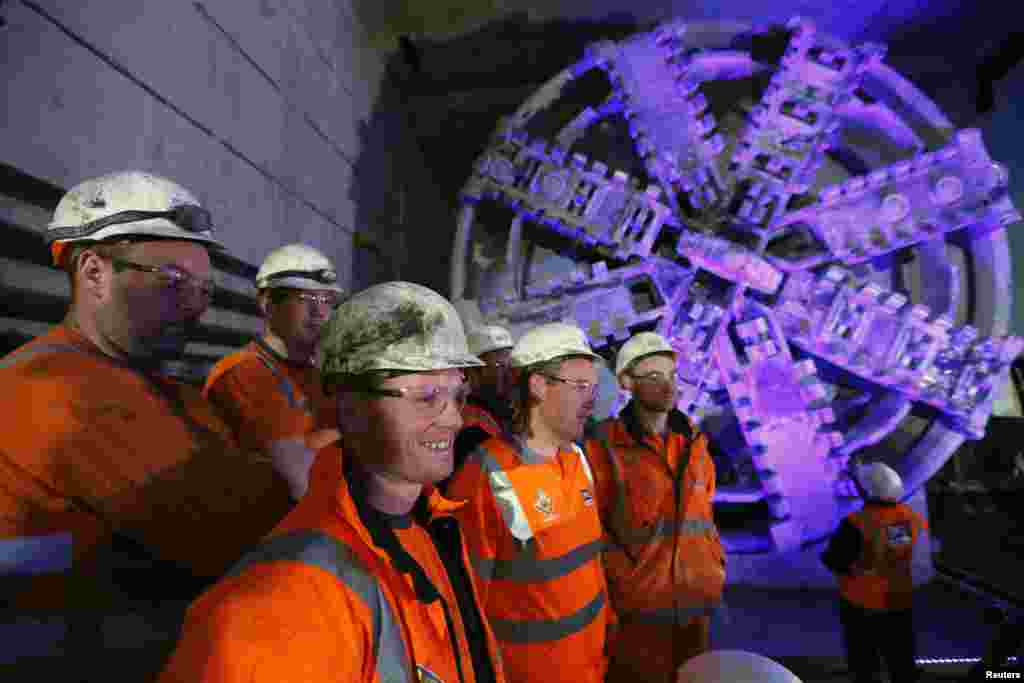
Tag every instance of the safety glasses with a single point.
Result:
(428, 401)
(171, 278)
(581, 387)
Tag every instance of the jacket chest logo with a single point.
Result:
(545, 505)
(588, 497)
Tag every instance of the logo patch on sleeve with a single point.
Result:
(588, 497)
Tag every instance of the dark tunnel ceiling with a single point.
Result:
(466, 45)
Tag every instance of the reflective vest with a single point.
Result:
(535, 539)
(665, 561)
(881, 577)
(474, 415)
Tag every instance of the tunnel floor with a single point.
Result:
(801, 630)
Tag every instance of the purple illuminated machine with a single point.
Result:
(825, 251)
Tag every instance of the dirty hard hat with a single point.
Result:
(880, 481)
(127, 204)
(394, 326)
(639, 346)
(734, 666)
(487, 338)
(550, 341)
(297, 266)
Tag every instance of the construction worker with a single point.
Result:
(368, 581)
(734, 666)
(488, 406)
(530, 520)
(488, 409)
(270, 391)
(873, 556)
(119, 486)
(655, 481)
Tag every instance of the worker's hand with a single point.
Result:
(294, 457)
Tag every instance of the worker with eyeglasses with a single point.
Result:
(530, 517)
(270, 391)
(368, 580)
(655, 482)
(122, 490)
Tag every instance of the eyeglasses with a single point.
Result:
(171, 278)
(655, 377)
(311, 298)
(188, 217)
(429, 402)
(580, 386)
(324, 276)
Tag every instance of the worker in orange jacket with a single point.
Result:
(488, 409)
(270, 391)
(367, 581)
(122, 489)
(531, 521)
(874, 553)
(655, 482)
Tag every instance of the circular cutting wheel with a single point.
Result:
(824, 250)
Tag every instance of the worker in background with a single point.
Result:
(531, 521)
(120, 487)
(734, 666)
(369, 580)
(488, 409)
(270, 391)
(873, 554)
(655, 482)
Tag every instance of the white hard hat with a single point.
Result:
(880, 481)
(640, 345)
(297, 266)
(548, 342)
(394, 326)
(128, 204)
(734, 666)
(487, 338)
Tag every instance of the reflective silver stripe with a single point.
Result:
(545, 630)
(505, 495)
(49, 554)
(527, 568)
(668, 616)
(283, 383)
(18, 356)
(320, 550)
(665, 528)
(584, 462)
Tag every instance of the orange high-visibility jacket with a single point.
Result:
(321, 602)
(665, 562)
(264, 398)
(533, 533)
(93, 446)
(881, 578)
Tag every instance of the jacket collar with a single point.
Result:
(500, 411)
(634, 429)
